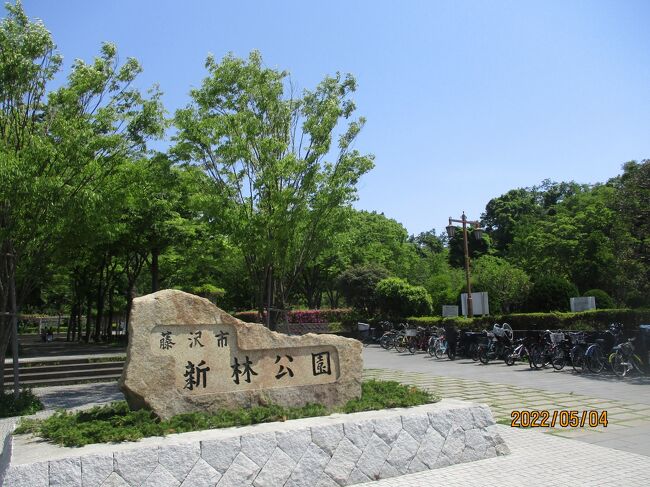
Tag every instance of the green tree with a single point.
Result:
(398, 299)
(57, 147)
(271, 156)
(551, 293)
(358, 286)
(506, 285)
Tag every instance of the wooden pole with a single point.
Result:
(470, 307)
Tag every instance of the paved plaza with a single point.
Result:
(505, 389)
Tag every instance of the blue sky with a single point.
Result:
(464, 100)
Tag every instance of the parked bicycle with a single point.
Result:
(499, 344)
(624, 360)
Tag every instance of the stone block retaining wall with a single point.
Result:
(332, 451)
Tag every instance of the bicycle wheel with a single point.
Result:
(386, 341)
(432, 346)
(401, 345)
(440, 349)
(618, 364)
(483, 355)
(473, 351)
(577, 356)
(510, 359)
(595, 359)
(558, 359)
(412, 346)
(538, 357)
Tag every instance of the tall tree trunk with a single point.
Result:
(111, 312)
(89, 309)
(14, 327)
(155, 284)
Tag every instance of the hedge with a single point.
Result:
(587, 320)
(344, 315)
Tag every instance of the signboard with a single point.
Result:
(479, 304)
(583, 303)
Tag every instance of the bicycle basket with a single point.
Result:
(363, 326)
(482, 341)
(411, 332)
(557, 338)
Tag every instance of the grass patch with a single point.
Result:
(26, 403)
(115, 422)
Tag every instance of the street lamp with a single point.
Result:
(478, 235)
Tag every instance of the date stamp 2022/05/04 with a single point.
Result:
(562, 418)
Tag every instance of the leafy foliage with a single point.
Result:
(397, 298)
(115, 422)
(551, 293)
(26, 403)
(603, 300)
(507, 286)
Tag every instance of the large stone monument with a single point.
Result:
(185, 355)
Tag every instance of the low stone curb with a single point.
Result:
(328, 451)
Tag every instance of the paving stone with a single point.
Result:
(179, 459)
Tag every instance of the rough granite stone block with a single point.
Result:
(327, 437)
(179, 459)
(135, 466)
(388, 471)
(388, 428)
(220, 453)
(373, 457)
(416, 425)
(276, 471)
(482, 416)
(95, 469)
(463, 417)
(201, 475)
(430, 448)
(30, 474)
(326, 481)
(309, 468)
(294, 443)
(452, 450)
(357, 477)
(241, 473)
(114, 480)
(258, 447)
(343, 461)
(359, 433)
(161, 477)
(402, 452)
(65, 472)
(441, 422)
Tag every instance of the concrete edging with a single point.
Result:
(336, 450)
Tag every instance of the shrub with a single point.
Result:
(603, 300)
(115, 422)
(26, 403)
(397, 298)
(586, 320)
(320, 315)
(248, 316)
(551, 293)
